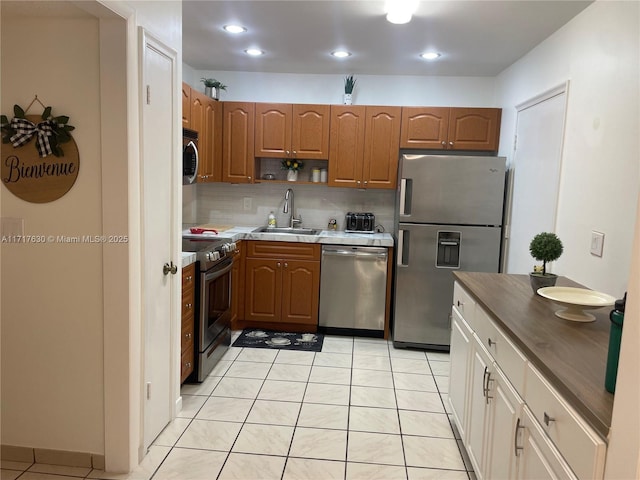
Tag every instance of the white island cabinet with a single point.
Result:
(513, 423)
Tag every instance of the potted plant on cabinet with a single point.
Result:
(349, 83)
(212, 87)
(545, 247)
(292, 165)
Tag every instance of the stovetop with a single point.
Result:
(209, 252)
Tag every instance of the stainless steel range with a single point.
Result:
(214, 260)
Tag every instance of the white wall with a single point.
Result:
(52, 321)
(369, 89)
(598, 53)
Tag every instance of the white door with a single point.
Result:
(157, 212)
(535, 175)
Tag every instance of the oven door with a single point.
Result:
(215, 302)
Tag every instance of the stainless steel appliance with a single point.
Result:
(353, 286)
(449, 212)
(360, 222)
(189, 156)
(213, 300)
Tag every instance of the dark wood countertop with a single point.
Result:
(571, 355)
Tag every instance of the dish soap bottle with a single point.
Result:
(271, 222)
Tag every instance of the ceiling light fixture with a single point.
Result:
(254, 52)
(400, 11)
(234, 28)
(430, 55)
(341, 53)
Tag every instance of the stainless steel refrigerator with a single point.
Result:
(449, 212)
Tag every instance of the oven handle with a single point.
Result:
(217, 273)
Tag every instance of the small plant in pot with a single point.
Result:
(545, 247)
(212, 87)
(349, 83)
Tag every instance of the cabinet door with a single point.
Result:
(474, 129)
(460, 358)
(273, 130)
(381, 147)
(346, 146)
(424, 127)
(237, 147)
(210, 167)
(505, 407)
(197, 116)
(263, 292)
(300, 291)
(186, 105)
(237, 284)
(539, 459)
(310, 132)
(479, 384)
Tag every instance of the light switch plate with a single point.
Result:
(247, 203)
(597, 243)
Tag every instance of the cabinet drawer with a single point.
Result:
(583, 449)
(186, 339)
(294, 250)
(464, 304)
(188, 277)
(186, 364)
(187, 306)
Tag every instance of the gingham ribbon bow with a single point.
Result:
(25, 129)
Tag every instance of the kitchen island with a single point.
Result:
(527, 387)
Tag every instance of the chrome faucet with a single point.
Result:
(288, 197)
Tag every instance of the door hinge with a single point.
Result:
(148, 95)
(148, 390)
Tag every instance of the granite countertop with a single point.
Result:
(571, 355)
(335, 237)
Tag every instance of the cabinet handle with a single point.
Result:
(295, 154)
(490, 342)
(357, 182)
(444, 144)
(189, 278)
(548, 419)
(365, 182)
(286, 265)
(278, 264)
(516, 448)
(288, 153)
(188, 365)
(451, 144)
(249, 178)
(485, 385)
(188, 336)
(460, 304)
(189, 306)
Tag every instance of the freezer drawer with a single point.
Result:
(353, 286)
(427, 254)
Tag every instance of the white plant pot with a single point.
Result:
(347, 99)
(292, 175)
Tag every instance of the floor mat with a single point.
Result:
(255, 338)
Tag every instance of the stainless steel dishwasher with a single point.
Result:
(353, 287)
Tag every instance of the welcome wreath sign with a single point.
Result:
(40, 160)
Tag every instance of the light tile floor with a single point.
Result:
(360, 409)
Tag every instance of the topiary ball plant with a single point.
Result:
(545, 247)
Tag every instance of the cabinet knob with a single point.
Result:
(188, 336)
(189, 278)
(189, 306)
(365, 182)
(451, 144)
(188, 365)
(278, 264)
(490, 342)
(286, 265)
(358, 182)
(444, 144)
(249, 178)
(295, 154)
(548, 419)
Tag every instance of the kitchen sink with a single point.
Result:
(288, 230)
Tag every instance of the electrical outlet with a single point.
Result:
(597, 243)
(247, 203)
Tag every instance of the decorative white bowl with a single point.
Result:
(575, 300)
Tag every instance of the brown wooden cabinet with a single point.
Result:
(186, 105)
(292, 131)
(187, 330)
(282, 284)
(364, 146)
(444, 128)
(210, 142)
(237, 284)
(238, 162)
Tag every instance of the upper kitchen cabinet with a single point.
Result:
(186, 105)
(205, 117)
(295, 131)
(364, 143)
(237, 150)
(443, 128)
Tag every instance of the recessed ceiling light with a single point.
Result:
(430, 55)
(400, 11)
(234, 28)
(254, 52)
(341, 54)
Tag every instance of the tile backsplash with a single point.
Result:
(245, 205)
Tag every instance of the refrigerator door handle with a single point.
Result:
(403, 248)
(406, 190)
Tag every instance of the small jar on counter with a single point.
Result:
(315, 175)
(323, 175)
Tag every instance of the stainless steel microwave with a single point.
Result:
(189, 156)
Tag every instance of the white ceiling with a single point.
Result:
(475, 37)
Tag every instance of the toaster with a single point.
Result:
(360, 222)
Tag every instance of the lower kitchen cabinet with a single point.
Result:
(512, 422)
(282, 283)
(187, 321)
(237, 284)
